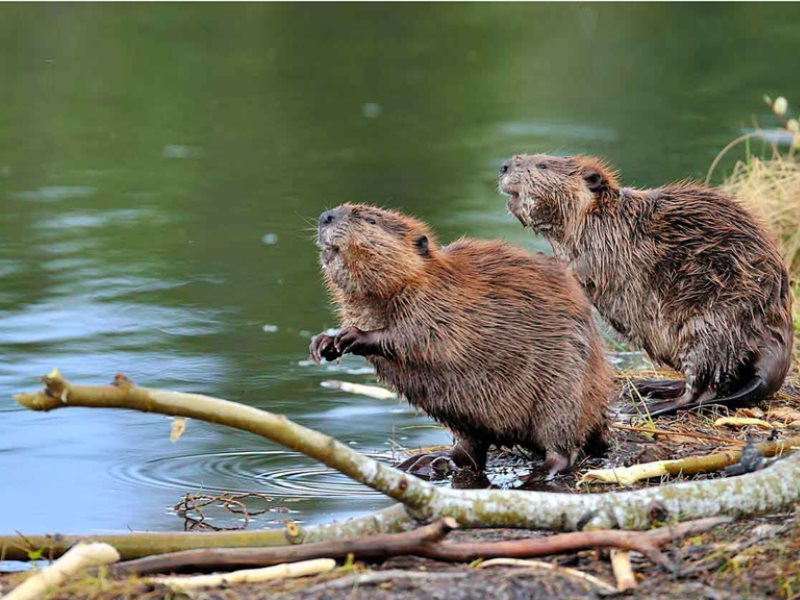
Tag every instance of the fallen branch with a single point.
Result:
(646, 543)
(690, 465)
(363, 548)
(770, 489)
(557, 569)
(283, 571)
(422, 542)
(138, 544)
(82, 556)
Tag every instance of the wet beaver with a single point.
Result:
(495, 343)
(682, 271)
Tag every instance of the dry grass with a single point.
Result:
(771, 190)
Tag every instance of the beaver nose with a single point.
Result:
(328, 217)
(505, 167)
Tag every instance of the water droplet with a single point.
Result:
(269, 239)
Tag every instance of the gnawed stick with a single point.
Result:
(622, 569)
(690, 465)
(364, 548)
(424, 542)
(82, 556)
(282, 571)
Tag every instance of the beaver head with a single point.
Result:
(368, 251)
(548, 193)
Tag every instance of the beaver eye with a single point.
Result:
(371, 221)
(542, 166)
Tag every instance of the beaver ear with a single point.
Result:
(421, 245)
(595, 180)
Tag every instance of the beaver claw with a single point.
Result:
(323, 346)
(350, 339)
(362, 343)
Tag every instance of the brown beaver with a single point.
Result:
(682, 271)
(495, 343)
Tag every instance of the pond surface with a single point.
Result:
(160, 167)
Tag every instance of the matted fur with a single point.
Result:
(495, 343)
(681, 271)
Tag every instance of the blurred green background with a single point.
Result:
(161, 166)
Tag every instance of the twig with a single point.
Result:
(699, 436)
(724, 151)
(559, 570)
(715, 563)
(193, 504)
(282, 571)
(622, 569)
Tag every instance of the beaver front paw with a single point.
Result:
(322, 346)
(355, 341)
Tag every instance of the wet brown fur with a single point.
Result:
(495, 343)
(682, 271)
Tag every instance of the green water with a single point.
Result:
(160, 166)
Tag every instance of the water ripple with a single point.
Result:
(274, 472)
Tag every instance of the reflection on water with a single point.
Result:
(161, 168)
(280, 473)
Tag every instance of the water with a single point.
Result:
(160, 166)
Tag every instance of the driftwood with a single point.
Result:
(770, 489)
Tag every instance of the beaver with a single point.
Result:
(681, 271)
(495, 343)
